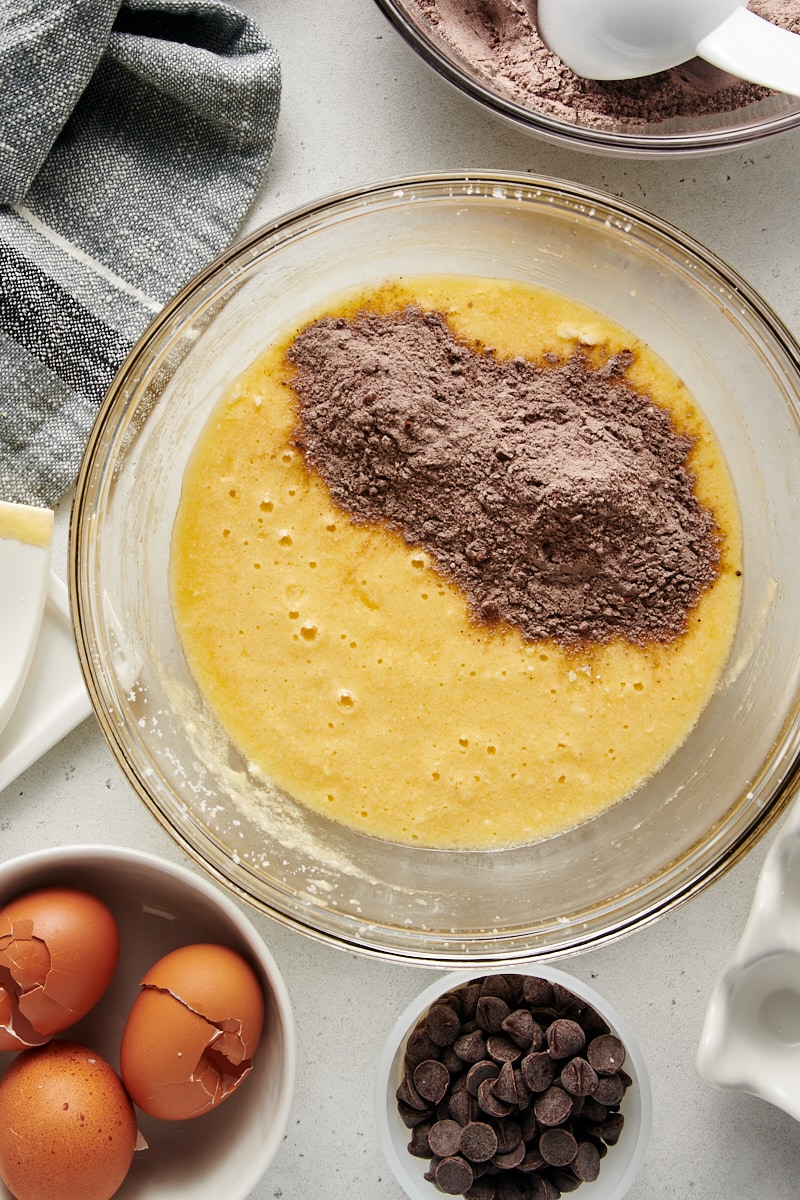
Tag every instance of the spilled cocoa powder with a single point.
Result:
(555, 495)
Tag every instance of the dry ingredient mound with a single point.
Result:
(555, 495)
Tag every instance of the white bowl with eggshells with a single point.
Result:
(620, 1163)
(158, 908)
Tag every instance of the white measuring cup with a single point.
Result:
(625, 39)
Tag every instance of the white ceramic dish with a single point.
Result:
(159, 906)
(54, 699)
(618, 1169)
(751, 1035)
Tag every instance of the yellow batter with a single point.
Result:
(349, 670)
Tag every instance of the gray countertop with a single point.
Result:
(358, 105)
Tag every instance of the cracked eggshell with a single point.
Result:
(190, 1036)
(59, 948)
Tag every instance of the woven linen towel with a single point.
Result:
(133, 137)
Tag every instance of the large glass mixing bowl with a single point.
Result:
(693, 819)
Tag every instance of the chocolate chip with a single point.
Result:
(564, 1180)
(557, 1147)
(538, 1070)
(453, 1176)
(491, 1104)
(505, 1087)
(593, 1024)
(610, 1129)
(419, 1145)
(579, 1077)
(502, 1049)
(408, 1095)
(538, 993)
(564, 998)
(565, 1038)
(610, 1090)
(528, 1123)
(592, 1110)
(542, 1189)
(606, 1053)
(444, 1138)
(523, 1091)
(470, 994)
(490, 1013)
(505, 986)
(586, 1163)
(442, 1025)
(553, 1106)
(510, 1158)
(419, 1047)
(471, 1047)
(411, 1117)
(532, 1161)
(478, 1141)
(431, 1080)
(509, 1135)
(451, 1060)
(479, 1072)
(461, 1106)
(523, 1030)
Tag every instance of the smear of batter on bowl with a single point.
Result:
(336, 635)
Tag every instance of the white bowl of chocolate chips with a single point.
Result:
(459, 623)
(516, 1086)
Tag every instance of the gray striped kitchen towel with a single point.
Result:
(133, 137)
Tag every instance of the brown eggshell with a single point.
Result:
(192, 1031)
(59, 949)
(67, 1126)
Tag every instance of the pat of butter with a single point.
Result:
(24, 523)
(584, 335)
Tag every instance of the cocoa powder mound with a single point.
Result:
(555, 495)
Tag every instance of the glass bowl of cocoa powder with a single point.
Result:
(492, 52)
(433, 569)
